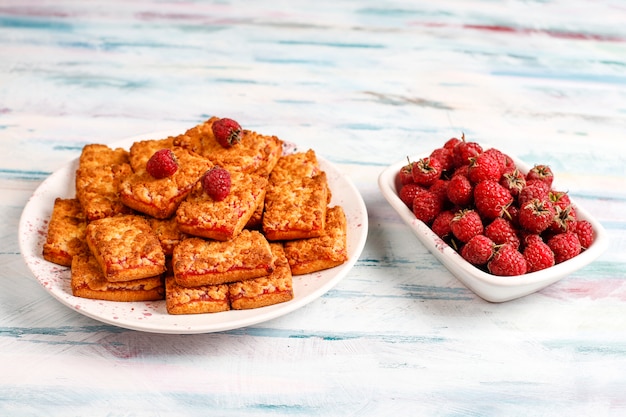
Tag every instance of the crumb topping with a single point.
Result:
(296, 205)
(123, 243)
(200, 215)
(197, 256)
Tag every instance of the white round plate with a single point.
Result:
(153, 316)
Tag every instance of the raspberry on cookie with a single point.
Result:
(200, 215)
(161, 197)
(141, 151)
(252, 153)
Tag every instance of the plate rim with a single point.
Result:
(242, 318)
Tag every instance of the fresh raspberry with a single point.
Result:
(512, 215)
(426, 206)
(505, 161)
(491, 199)
(460, 190)
(536, 215)
(426, 171)
(584, 231)
(162, 164)
(227, 132)
(445, 156)
(538, 255)
(501, 231)
(466, 224)
(536, 189)
(440, 188)
(524, 236)
(408, 193)
(542, 173)
(406, 174)
(530, 238)
(451, 143)
(559, 198)
(514, 181)
(564, 219)
(460, 170)
(509, 163)
(463, 151)
(216, 183)
(565, 246)
(498, 155)
(441, 224)
(483, 167)
(539, 183)
(478, 250)
(507, 261)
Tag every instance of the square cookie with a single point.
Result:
(296, 209)
(88, 281)
(254, 153)
(197, 261)
(273, 289)
(125, 247)
(200, 215)
(98, 177)
(66, 232)
(161, 197)
(168, 233)
(323, 252)
(195, 300)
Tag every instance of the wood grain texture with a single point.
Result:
(364, 83)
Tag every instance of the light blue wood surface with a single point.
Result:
(364, 83)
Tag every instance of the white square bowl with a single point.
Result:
(489, 287)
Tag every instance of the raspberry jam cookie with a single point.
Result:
(198, 261)
(125, 247)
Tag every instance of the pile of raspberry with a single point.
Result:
(502, 220)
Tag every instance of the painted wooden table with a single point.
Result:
(364, 83)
